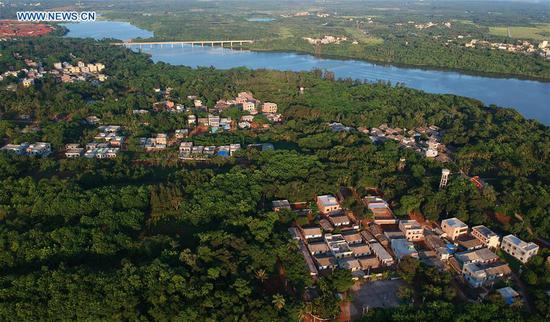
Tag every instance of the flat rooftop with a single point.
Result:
(520, 243)
(482, 254)
(327, 200)
(454, 222)
(484, 231)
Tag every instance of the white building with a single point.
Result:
(454, 228)
(486, 236)
(412, 230)
(518, 248)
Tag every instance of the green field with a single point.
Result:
(540, 32)
(364, 38)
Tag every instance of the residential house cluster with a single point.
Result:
(153, 144)
(188, 151)
(431, 24)
(166, 105)
(26, 76)
(521, 46)
(350, 248)
(106, 145)
(326, 40)
(215, 123)
(475, 258)
(254, 107)
(80, 72)
(38, 149)
(424, 140)
(64, 71)
(336, 239)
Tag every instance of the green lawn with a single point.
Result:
(362, 38)
(540, 32)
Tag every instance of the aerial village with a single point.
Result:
(65, 72)
(110, 140)
(333, 237)
(521, 46)
(423, 140)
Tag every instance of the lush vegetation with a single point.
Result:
(384, 34)
(128, 240)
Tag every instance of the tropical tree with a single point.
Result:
(278, 301)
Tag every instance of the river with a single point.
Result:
(531, 98)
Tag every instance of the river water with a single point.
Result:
(530, 98)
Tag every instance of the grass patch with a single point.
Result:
(540, 32)
(362, 38)
(285, 32)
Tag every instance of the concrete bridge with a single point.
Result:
(201, 43)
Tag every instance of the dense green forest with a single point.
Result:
(126, 240)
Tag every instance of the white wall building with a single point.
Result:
(518, 248)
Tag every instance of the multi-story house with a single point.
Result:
(486, 236)
(519, 249)
(412, 230)
(454, 228)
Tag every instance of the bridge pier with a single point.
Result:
(202, 43)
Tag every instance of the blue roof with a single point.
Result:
(223, 153)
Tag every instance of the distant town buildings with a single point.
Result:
(520, 46)
(326, 40)
(423, 140)
(106, 145)
(157, 143)
(188, 151)
(38, 149)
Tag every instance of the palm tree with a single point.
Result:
(278, 301)
(261, 275)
